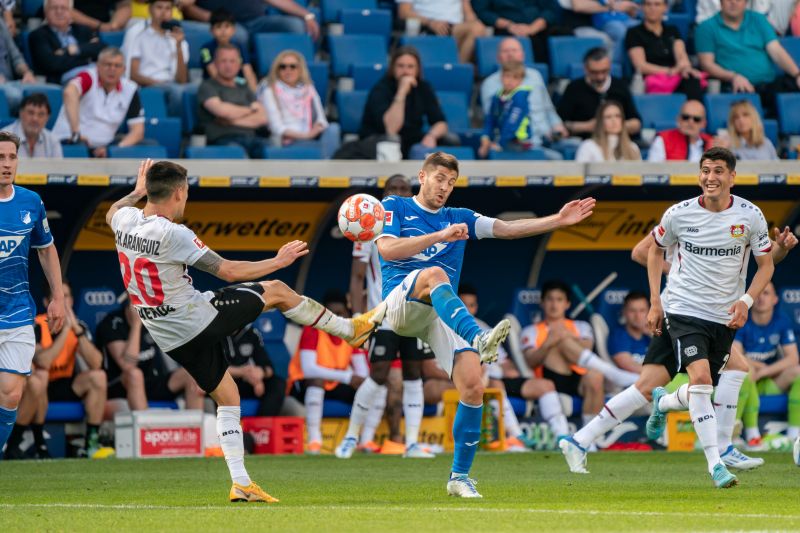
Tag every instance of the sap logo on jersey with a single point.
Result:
(9, 244)
(431, 251)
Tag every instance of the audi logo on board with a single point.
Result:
(100, 297)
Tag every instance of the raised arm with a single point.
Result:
(139, 191)
(782, 243)
(572, 213)
(394, 249)
(232, 271)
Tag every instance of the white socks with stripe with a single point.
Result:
(551, 411)
(705, 423)
(365, 397)
(675, 401)
(412, 409)
(592, 361)
(312, 313)
(374, 415)
(618, 408)
(726, 399)
(313, 400)
(229, 431)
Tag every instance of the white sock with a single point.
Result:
(374, 415)
(413, 403)
(312, 313)
(675, 401)
(792, 432)
(229, 431)
(550, 406)
(510, 418)
(365, 397)
(623, 378)
(618, 408)
(726, 398)
(752, 433)
(314, 398)
(705, 423)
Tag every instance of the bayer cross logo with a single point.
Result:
(690, 351)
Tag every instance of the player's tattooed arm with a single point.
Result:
(232, 271)
(209, 262)
(139, 191)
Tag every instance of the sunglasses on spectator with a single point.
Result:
(697, 119)
(290, 66)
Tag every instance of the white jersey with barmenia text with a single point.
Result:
(710, 262)
(154, 254)
(367, 252)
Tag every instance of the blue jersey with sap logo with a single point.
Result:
(405, 217)
(761, 342)
(23, 224)
(621, 341)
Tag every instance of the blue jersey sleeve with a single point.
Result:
(468, 217)
(40, 236)
(786, 330)
(394, 215)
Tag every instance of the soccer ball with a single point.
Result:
(361, 218)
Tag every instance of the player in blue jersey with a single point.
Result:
(422, 250)
(23, 225)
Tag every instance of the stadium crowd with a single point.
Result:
(584, 79)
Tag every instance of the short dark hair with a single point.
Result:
(227, 46)
(437, 159)
(466, 288)
(36, 100)
(162, 180)
(556, 285)
(334, 296)
(634, 295)
(393, 177)
(717, 153)
(8, 137)
(595, 54)
(220, 16)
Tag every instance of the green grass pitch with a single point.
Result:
(522, 492)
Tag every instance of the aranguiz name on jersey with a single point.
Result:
(138, 244)
(714, 252)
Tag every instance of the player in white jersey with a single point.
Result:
(386, 345)
(23, 224)
(190, 326)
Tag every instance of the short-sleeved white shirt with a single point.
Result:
(451, 11)
(154, 253)
(157, 54)
(709, 265)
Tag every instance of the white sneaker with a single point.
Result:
(415, 451)
(796, 452)
(733, 458)
(575, 454)
(463, 487)
(346, 448)
(490, 340)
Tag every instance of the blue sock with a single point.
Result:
(453, 312)
(466, 436)
(7, 419)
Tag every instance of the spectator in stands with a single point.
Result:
(688, 141)
(59, 48)
(520, 18)
(738, 46)
(507, 126)
(778, 12)
(610, 141)
(159, 55)
(136, 367)
(102, 15)
(295, 111)
(325, 366)
(14, 71)
(7, 8)
(397, 106)
(576, 15)
(769, 343)
(252, 370)
(251, 15)
(140, 10)
(446, 17)
(745, 135)
(578, 107)
(96, 103)
(229, 111)
(657, 51)
(562, 347)
(544, 121)
(223, 28)
(627, 343)
(35, 140)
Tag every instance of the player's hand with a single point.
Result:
(739, 311)
(655, 317)
(141, 177)
(576, 210)
(785, 239)
(56, 314)
(455, 232)
(290, 252)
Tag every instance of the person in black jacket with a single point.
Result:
(60, 48)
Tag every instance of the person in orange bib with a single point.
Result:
(560, 349)
(324, 365)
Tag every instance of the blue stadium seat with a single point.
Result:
(162, 405)
(349, 50)
(718, 105)
(486, 53)
(113, 38)
(433, 50)
(306, 152)
(4, 110)
(72, 151)
(351, 107)
(154, 101)
(525, 305)
(658, 109)
(576, 70)
(94, 303)
(456, 110)
(195, 39)
(682, 21)
(773, 404)
(792, 46)
(137, 152)
(366, 21)
(320, 72)
(65, 412)
(564, 51)
(6, 121)
(462, 153)
(54, 96)
(32, 8)
(189, 110)
(165, 131)
(331, 8)
(231, 151)
(534, 154)
(790, 305)
(609, 305)
(789, 113)
(249, 406)
(366, 76)
(336, 409)
(771, 130)
(272, 326)
(454, 77)
(268, 45)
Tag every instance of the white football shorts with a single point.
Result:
(16, 350)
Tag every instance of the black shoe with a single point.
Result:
(14, 453)
(42, 452)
